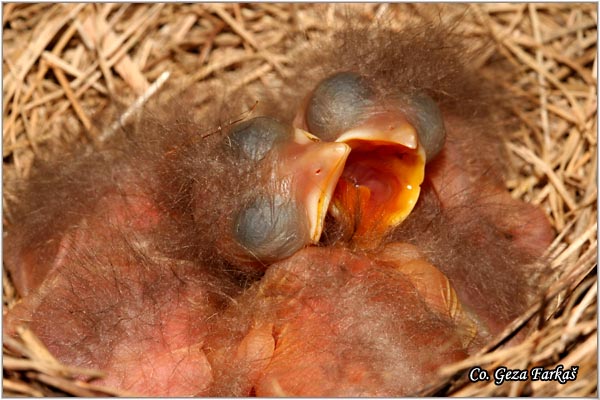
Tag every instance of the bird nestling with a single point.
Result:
(348, 238)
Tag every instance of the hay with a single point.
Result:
(63, 62)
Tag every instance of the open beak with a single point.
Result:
(316, 167)
(288, 206)
(391, 139)
(380, 184)
(368, 179)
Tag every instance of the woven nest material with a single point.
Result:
(64, 62)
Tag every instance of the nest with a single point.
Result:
(64, 62)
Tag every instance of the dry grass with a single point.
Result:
(64, 62)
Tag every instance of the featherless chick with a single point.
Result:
(349, 237)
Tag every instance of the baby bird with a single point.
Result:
(418, 172)
(332, 322)
(283, 181)
(423, 125)
(349, 238)
(140, 317)
(262, 187)
(114, 287)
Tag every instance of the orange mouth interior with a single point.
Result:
(378, 188)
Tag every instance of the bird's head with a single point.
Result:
(294, 175)
(391, 139)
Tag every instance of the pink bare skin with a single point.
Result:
(328, 322)
(489, 245)
(111, 302)
(143, 329)
(135, 215)
(117, 256)
(468, 225)
(319, 323)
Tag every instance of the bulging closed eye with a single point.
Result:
(392, 131)
(427, 118)
(345, 101)
(270, 228)
(254, 138)
(337, 104)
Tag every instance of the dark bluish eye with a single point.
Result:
(271, 228)
(254, 138)
(337, 104)
(428, 120)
